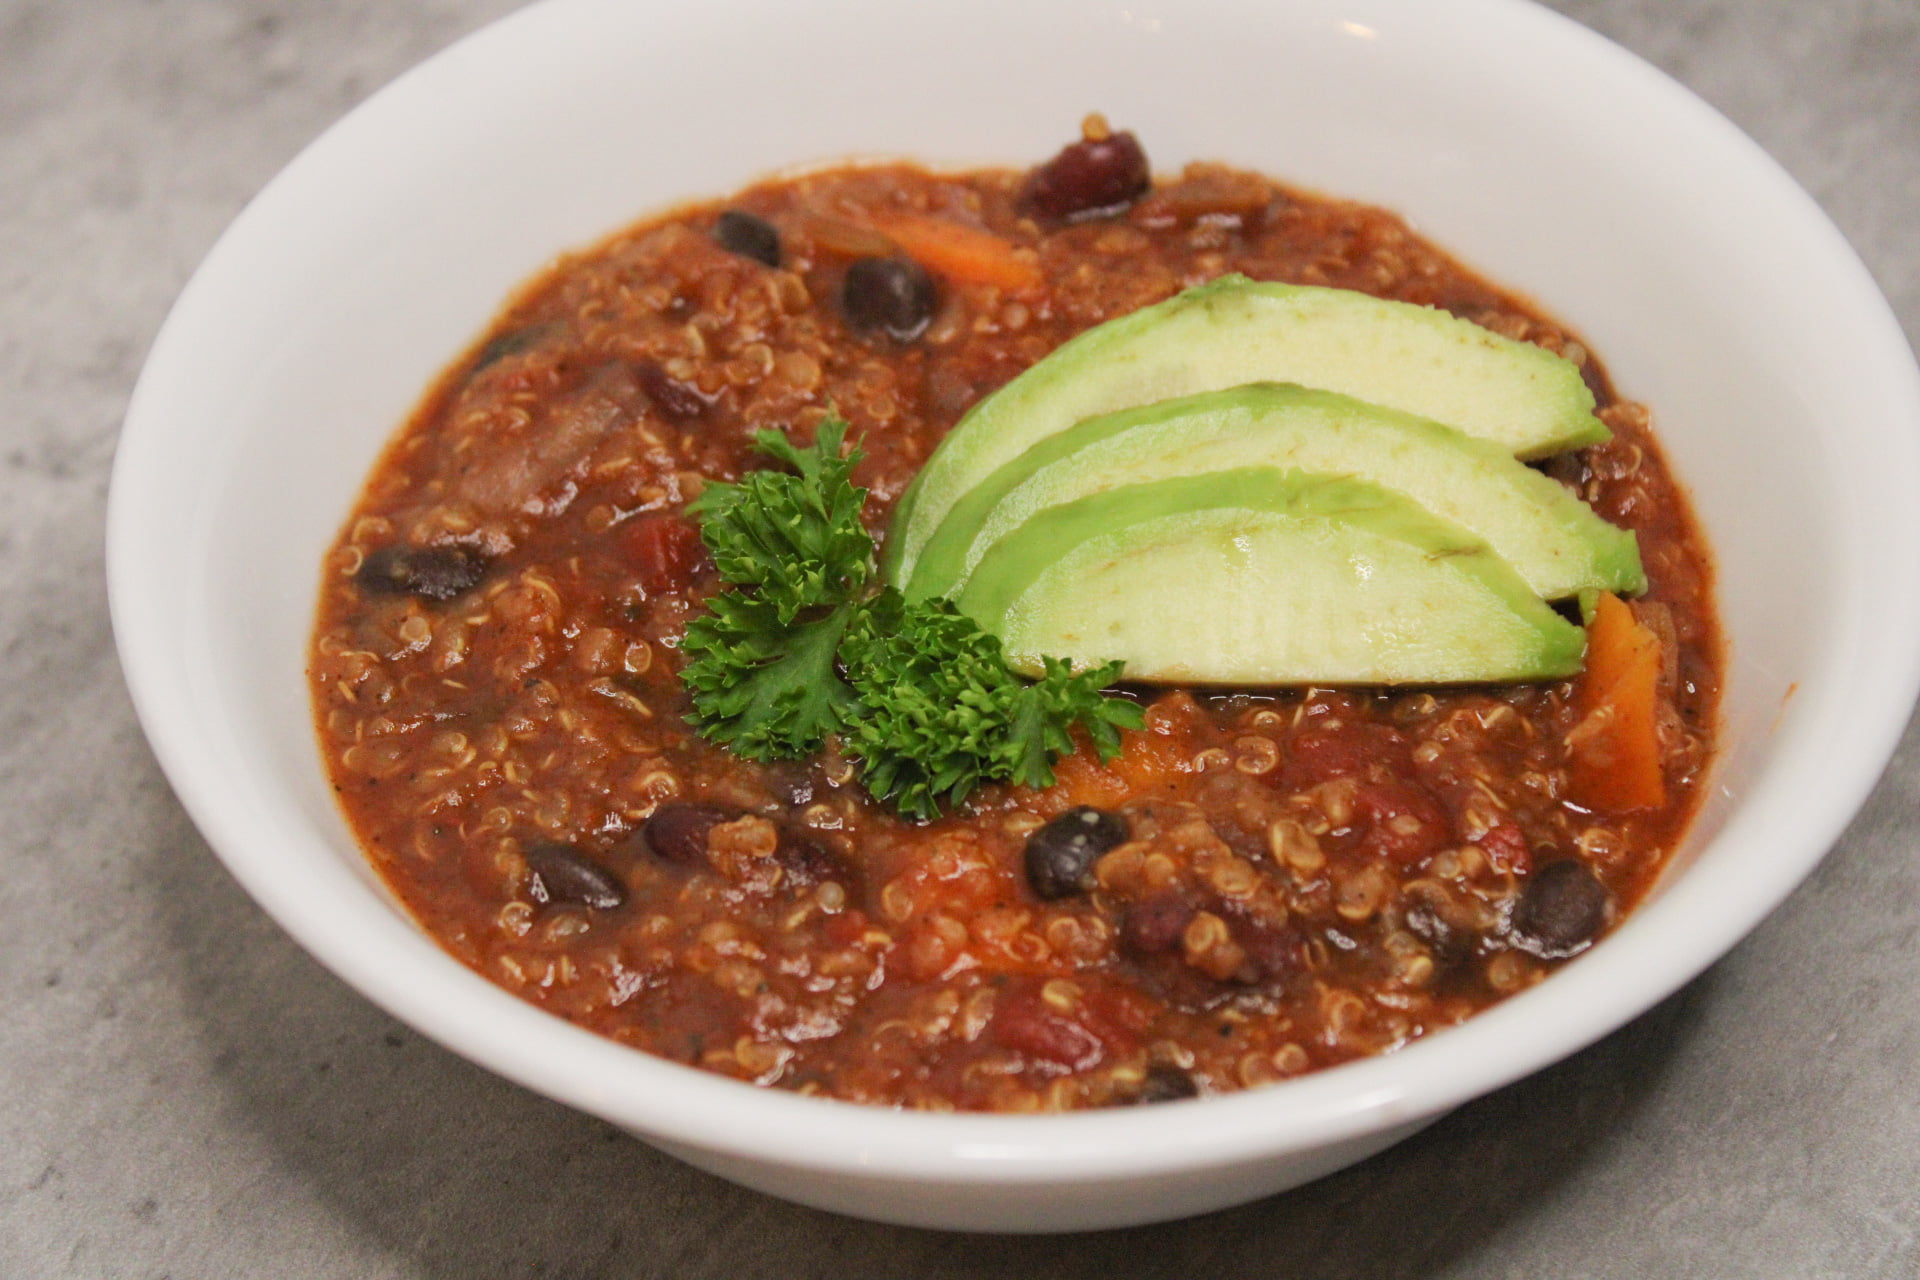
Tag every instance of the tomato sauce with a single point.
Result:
(1287, 878)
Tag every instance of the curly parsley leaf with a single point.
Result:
(765, 688)
(934, 694)
(795, 536)
(1047, 710)
(942, 713)
(922, 698)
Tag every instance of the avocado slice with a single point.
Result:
(1554, 540)
(1257, 576)
(1235, 330)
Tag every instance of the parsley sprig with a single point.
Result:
(803, 647)
(796, 538)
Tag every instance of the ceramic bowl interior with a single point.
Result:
(1714, 290)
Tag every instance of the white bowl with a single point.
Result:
(1715, 290)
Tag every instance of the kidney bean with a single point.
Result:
(894, 295)
(740, 232)
(1022, 1023)
(430, 573)
(564, 876)
(677, 833)
(677, 401)
(1102, 173)
(1060, 855)
(1562, 908)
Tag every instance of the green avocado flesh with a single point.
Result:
(1551, 538)
(1233, 331)
(1256, 576)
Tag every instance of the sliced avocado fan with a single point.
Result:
(1558, 545)
(1234, 330)
(1256, 576)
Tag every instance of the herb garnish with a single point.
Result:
(803, 647)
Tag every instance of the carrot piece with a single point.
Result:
(1615, 747)
(849, 239)
(959, 252)
(1149, 763)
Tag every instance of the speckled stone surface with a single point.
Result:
(184, 1094)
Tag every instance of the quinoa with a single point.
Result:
(1302, 876)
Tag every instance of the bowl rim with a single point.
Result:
(1660, 947)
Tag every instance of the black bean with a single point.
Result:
(748, 236)
(1060, 855)
(894, 295)
(1091, 177)
(676, 400)
(563, 876)
(1165, 1084)
(677, 833)
(1562, 908)
(431, 573)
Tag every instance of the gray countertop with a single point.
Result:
(183, 1093)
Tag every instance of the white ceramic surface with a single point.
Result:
(1713, 288)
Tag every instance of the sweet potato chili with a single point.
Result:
(1260, 883)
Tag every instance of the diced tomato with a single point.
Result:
(1344, 751)
(844, 930)
(1403, 823)
(664, 550)
(1506, 848)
